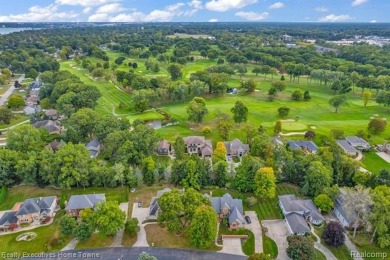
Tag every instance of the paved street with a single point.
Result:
(115, 253)
(277, 230)
(8, 93)
(255, 227)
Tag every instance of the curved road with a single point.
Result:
(119, 253)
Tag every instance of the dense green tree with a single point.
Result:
(366, 97)
(5, 115)
(224, 125)
(171, 207)
(317, 178)
(297, 95)
(175, 71)
(32, 74)
(15, 101)
(245, 174)
(67, 225)
(219, 153)
(278, 127)
(323, 202)
(108, 218)
(240, 112)
(283, 111)
(220, 170)
(179, 147)
(249, 85)
(81, 125)
(300, 247)
(197, 110)
(191, 200)
(131, 227)
(203, 228)
(25, 138)
(265, 183)
(148, 169)
(337, 101)
(381, 215)
(377, 125)
(83, 231)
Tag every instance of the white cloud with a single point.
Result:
(87, 10)
(373, 21)
(276, 5)
(36, 13)
(322, 9)
(98, 18)
(85, 3)
(213, 20)
(358, 2)
(196, 4)
(110, 8)
(252, 16)
(174, 7)
(335, 18)
(225, 5)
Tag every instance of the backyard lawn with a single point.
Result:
(374, 163)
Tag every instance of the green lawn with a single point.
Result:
(293, 126)
(363, 243)
(374, 163)
(96, 241)
(16, 119)
(340, 253)
(270, 247)
(48, 239)
(20, 193)
(249, 245)
(319, 255)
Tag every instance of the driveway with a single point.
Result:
(140, 214)
(8, 93)
(232, 246)
(118, 238)
(277, 230)
(384, 156)
(255, 227)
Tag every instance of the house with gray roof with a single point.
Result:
(198, 145)
(53, 127)
(236, 148)
(306, 146)
(78, 203)
(32, 210)
(344, 215)
(154, 208)
(229, 208)
(347, 147)
(358, 143)
(298, 213)
(7, 220)
(94, 147)
(163, 148)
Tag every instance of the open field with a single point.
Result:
(48, 239)
(374, 163)
(20, 193)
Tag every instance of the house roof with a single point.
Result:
(303, 144)
(8, 218)
(235, 215)
(226, 201)
(93, 144)
(235, 146)
(49, 125)
(32, 99)
(291, 203)
(297, 223)
(84, 201)
(55, 145)
(344, 144)
(51, 112)
(153, 208)
(207, 149)
(35, 205)
(194, 140)
(164, 144)
(28, 110)
(356, 141)
(339, 205)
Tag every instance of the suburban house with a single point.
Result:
(347, 147)
(344, 215)
(154, 208)
(94, 147)
(33, 210)
(384, 148)
(198, 145)
(287, 38)
(7, 220)
(78, 203)
(236, 148)
(55, 145)
(298, 213)
(358, 143)
(228, 208)
(32, 100)
(29, 110)
(53, 127)
(52, 114)
(277, 140)
(163, 148)
(306, 146)
(35, 85)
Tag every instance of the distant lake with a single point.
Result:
(11, 30)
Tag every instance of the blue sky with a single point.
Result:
(194, 10)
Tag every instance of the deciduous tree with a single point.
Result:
(108, 218)
(197, 110)
(323, 202)
(240, 112)
(265, 183)
(67, 225)
(334, 234)
(219, 152)
(300, 247)
(203, 229)
(337, 101)
(317, 178)
(131, 227)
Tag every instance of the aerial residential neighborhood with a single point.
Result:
(198, 129)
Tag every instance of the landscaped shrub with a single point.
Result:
(12, 227)
(3, 194)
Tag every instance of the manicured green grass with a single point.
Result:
(363, 243)
(20, 193)
(374, 163)
(340, 253)
(111, 96)
(16, 119)
(146, 116)
(269, 208)
(96, 241)
(319, 255)
(270, 247)
(293, 126)
(48, 239)
(249, 245)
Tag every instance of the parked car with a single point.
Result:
(248, 219)
(139, 204)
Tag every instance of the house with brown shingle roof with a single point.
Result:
(198, 145)
(236, 148)
(163, 148)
